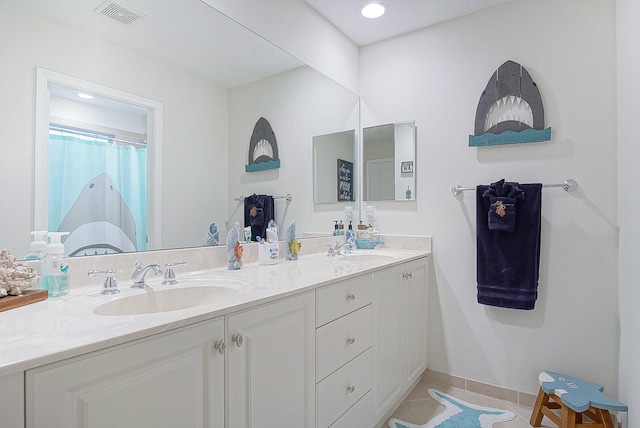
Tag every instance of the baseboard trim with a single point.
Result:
(511, 395)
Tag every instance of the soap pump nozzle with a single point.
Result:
(55, 245)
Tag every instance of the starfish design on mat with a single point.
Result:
(459, 414)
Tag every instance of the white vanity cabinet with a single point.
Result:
(343, 353)
(12, 399)
(170, 380)
(271, 364)
(400, 307)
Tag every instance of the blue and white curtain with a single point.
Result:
(97, 191)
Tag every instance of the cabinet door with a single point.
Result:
(387, 352)
(12, 399)
(271, 370)
(169, 380)
(416, 319)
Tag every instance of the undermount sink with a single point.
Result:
(362, 258)
(172, 299)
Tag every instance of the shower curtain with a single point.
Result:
(97, 191)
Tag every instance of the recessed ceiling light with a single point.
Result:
(373, 10)
(85, 96)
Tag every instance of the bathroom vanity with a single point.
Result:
(317, 342)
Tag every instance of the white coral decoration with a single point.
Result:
(14, 276)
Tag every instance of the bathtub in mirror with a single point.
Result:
(389, 162)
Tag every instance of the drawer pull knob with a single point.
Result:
(237, 339)
(350, 389)
(351, 296)
(351, 340)
(221, 346)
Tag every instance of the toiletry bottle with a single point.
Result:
(336, 231)
(349, 235)
(54, 272)
(38, 246)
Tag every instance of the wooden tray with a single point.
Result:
(28, 296)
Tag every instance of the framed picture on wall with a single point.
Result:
(406, 166)
(345, 181)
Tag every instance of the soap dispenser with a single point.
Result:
(350, 234)
(38, 246)
(336, 231)
(54, 272)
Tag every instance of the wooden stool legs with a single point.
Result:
(568, 418)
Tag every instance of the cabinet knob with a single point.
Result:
(407, 275)
(350, 389)
(221, 346)
(351, 340)
(237, 339)
(351, 296)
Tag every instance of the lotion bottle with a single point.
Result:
(54, 272)
(336, 231)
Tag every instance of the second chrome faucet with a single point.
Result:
(139, 274)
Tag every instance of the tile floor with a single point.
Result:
(419, 407)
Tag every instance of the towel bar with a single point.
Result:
(569, 185)
(288, 197)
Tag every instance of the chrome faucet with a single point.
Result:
(340, 248)
(139, 275)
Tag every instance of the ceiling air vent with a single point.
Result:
(120, 13)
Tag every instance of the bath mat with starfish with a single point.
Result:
(459, 414)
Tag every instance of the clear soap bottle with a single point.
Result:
(336, 231)
(38, 246)
(54, 272)
(349, 236)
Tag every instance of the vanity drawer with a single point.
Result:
(341, 340)
(359, 415)
(343, 389)
(334, 301)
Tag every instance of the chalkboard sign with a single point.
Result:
(345, 181)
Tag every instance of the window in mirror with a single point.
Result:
(333, 167)
(389, 162)
(94, 176)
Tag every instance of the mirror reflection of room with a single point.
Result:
(330, 153)
(97, 172)
(389, 162)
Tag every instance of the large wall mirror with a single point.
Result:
(202, 68)
(389, 162)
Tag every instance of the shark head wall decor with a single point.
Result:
(263, 148)
(510, 109)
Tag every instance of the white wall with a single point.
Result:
(628, 34)
(436, 76)
(195, 124)
(316, 42)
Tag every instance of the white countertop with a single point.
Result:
(55, 329)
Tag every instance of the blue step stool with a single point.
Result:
(574, 398)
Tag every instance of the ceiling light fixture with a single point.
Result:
(373, 10)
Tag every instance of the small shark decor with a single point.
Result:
(510, 109)
(459, 414)
(263, 148)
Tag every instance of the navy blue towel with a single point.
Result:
(258, 211)
(508, 262)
